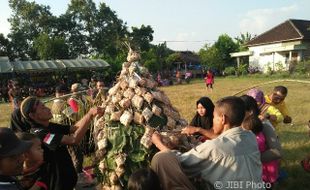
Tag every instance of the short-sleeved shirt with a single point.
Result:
(57, 159)
(232, 156)
(281, 106)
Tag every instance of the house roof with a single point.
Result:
(189, 57)
(289, 30)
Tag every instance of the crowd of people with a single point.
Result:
(236, 137)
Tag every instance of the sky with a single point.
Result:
(190, 24)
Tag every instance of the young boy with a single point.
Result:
(232, 156)
(11, 159)
(33, 172)
(277, 99)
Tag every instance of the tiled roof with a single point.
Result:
(289, 30)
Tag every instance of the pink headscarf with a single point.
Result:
(258, 95)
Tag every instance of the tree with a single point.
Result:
(82, 16)
(27, 21)
(225, 45)
(174, 58)
(210, 57)
(4, 42)
(50, 48)
(141, 37)
(243, 39)
(109, 34)
(155, 58)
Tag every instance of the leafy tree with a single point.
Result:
(82, 18)
(211, 58)
(50, 48)
(243, 39)
(4, 42)
(225, 45)
(27, 21)
(110, 33)
(155, 58)
(141, 37)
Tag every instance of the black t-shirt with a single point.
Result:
(39, 178)
(58, 162)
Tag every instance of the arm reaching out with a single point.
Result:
(156, 139)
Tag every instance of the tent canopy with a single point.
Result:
(5, 67)
(51, 65)
(83, 63)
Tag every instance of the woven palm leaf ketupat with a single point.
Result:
(134, 109)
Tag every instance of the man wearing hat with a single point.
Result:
(11, 158)
(60, 106)
(54, 137)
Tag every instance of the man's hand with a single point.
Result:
(287, 119)
(189, 130)
(156, 140)
(96, 111)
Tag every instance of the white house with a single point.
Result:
(280, 47)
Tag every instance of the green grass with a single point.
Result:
(294, 138)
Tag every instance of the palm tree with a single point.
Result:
(243, 39)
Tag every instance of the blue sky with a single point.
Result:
(189, 24)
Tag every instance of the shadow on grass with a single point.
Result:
(295, 147)
(297, 179)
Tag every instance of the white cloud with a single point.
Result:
(260, 20)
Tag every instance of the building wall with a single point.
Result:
(263, 57)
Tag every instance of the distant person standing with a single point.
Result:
(159, 79)
(178, 77)
(99, 94)
(14, 94)
(209, 80)
(60, 107)
(188, 76)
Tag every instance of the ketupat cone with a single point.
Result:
(134, 109)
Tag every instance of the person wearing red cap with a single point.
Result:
(11, 158)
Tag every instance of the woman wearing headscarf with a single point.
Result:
(267, 111)
(203, 120)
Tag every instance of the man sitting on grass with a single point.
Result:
(232, 156)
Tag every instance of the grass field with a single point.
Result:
(294, 138)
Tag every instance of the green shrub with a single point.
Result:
(230, 71)
(302, 67)
(242, 69)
